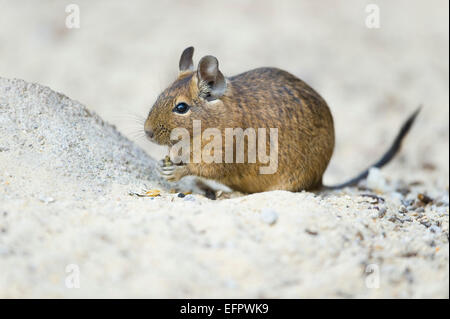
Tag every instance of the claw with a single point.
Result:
(169, 171)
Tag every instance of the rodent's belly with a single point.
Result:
(291, 179)
(263, 183)
(251, 184)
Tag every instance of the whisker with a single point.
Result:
(139, 119)
(135, 132)
(136, 137)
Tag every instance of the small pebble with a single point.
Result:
(311, 232)
(376, 181)
(393, 219)
(426, 223)
(424, 198)
(382, 212)
(181, 195)
(442, 201)
(189, 198)
(402, 210)
(441, 210)
(46, 200)
(435, 229)
(269, 216)
(408, 202)
(397, 195)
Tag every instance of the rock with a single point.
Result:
(189, 198)
(376, 181)
(46, 199)
(381, 212)
(435, 229)
(442, 200)
(269, 216)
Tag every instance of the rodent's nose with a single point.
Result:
(148, 132)
(148, 129)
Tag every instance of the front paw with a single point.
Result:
(170, 171)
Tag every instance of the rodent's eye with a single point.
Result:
(181, 108)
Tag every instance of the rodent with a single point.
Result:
(260, 98)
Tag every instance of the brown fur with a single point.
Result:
(260, 98)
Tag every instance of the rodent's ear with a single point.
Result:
(211, 82)
(186, 62)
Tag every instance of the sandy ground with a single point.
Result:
(65, 175)
(65, 193)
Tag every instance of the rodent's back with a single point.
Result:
(273, 98)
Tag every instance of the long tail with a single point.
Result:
(387, 157)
